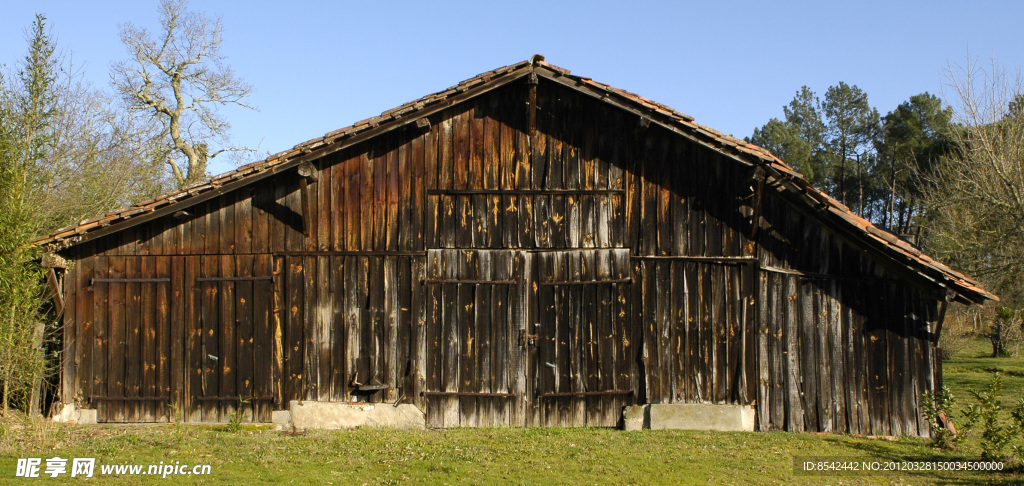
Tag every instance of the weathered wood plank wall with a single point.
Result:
(529, 257)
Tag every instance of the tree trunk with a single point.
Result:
(35, 397)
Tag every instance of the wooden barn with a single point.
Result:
(526, 248)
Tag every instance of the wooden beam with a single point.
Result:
(759, 178)
(306, 213)
(55, 292)
(129, 280)
(698, 258)
(531, 103)
(308, 171)
(538, 192)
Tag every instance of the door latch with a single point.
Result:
(527, 339)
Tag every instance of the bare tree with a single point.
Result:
(975, 195)
(180, 76)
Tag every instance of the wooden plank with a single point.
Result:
(380, 208)
(451, 341)
(482, 344)
(578, 318)
(353, 170)
(70, 352)
(878, 373)
(209, 342)
(651, 340)
(676, 300)
(376, 333)
(430, 181)
(545, 330)
(446, 204)
(861, 340)
(85, 316)
(623, 340)
(490, 134)
(244, 334)
(100, 324)
(523, 304)
(394, 223)
(808, 354)
(433, 350)
(474, 179)
(355, 309)
(776, 350)
(605, 351)
(847, 388)
(294, 331)
(325, 204)
(337, 323)
(193, 334)
(708, 348)
(467, 268)
(117, 330)
(259, 200)
(693, 370)
(366, 200)
(258, 355)
(501, 269)
(791, 349)
(338, 208)
(559, 414)
(325, 330)
(226, 364)
(736, 386)
(591, 331)
(389, 336)
(133, 339)
(764, 359)
(178, 338)
(720, 328)
(412, 201)
(311, 329)
(509, 179)
(840, 367)
(417, 334)
(148, 339)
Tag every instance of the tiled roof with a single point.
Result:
(826, 207)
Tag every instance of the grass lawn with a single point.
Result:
(503, 456)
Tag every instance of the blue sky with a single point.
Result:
(317, 66)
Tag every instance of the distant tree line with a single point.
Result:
(947, 178)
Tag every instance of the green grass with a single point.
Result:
(973, 367)
(503, 456)
(488, 456)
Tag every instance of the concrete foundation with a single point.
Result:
(689, 416)
(634, 417)
(69, 414)
(337, 415)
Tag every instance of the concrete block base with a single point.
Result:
(634, 417)
(69, 414)
(689, 416)
(281, 419)
(338, 415)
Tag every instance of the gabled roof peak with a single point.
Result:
(827, 209)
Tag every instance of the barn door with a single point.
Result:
(231, 346)
(130, 353)
(581, 370)
(475, 323)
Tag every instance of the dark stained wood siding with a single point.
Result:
(508, 264)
